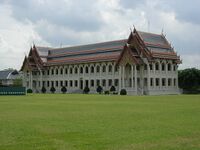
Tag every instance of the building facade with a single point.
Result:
(143, 64)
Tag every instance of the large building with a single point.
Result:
(143, 64)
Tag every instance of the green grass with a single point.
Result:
(98, 122)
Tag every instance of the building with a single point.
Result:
(8, 76)
(143, 64)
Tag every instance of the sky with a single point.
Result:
(57, 23)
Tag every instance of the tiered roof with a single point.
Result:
(140, 44)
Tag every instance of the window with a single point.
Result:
(66, 83)
(70, 70)
(138, 67)
(151, 82)
(52, 71)
(145, 67)
(86, 69)
(169, 67)
(57, 71)
(61, 71)
(104, 82)
(169, 82)
(110, 68)
(157, 66)
(174, 82)
(98, 69)
(43, 83)
(76, 70)
(98, 82)
(92, 83)
(52, 84)
(175, 67)
(163, 82)
(47, 83)
(92, 69)
(116, 68)
(116, 82)
(56, 83)
(157, 81)
(110, 82)
(81, 70)
(163, 67)
(76, 83)
(150, 66)
(71, 83)
(104, 69)
(61, 83)
(47, 72)
(66, 71)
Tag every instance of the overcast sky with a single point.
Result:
(70, 22)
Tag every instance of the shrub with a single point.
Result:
(115, 93)
(106, 92)
(112, 89)
(29, 91)
(64, 89)
(86, 90)
(52, 89)
(123, 92)
(99, 89)
(43, 89)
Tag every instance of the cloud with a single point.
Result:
(72, 22)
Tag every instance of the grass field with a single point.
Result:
(99, 122)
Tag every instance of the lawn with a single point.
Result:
(99, 122)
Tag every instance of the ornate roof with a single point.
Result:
(140, 44)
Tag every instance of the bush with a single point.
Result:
(106, 92)
(52, 89)
(99, 89)
(86, 90)
(123, 92)
(112, 89)
(43, 89)
(115, 93)
(29, 91)
(64, 89)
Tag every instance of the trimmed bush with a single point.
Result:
(123, 92)
(29, 91)
(43, 89)
(52, 89)
(112, 89)
(64, 89)
(86, 90)
(106, 92)
(99, 89)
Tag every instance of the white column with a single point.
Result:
(120, 78)
(132, 77)
(31, 80)
(135, 71)
(123, 77)
(148, 77)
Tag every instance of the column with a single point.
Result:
(31, 80)
(132, 77)
(148, 77)
(135, 71)
(120, 77)
(123, 77)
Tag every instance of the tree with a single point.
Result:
(189, 80)
(86, 90)
(99, 89)
(64, 89)
(17, 82)
(52, 89)
(43, 89)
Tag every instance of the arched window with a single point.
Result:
(98, 69)
(76, 70)
(86, 69)
(169, 67)
(70, 70)
(66, 71)
(61, 71)
(57, 71)
(92, 69)
(163, 67)
(157, 66)
(110, 68)
(104, 68)
(81, 70)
